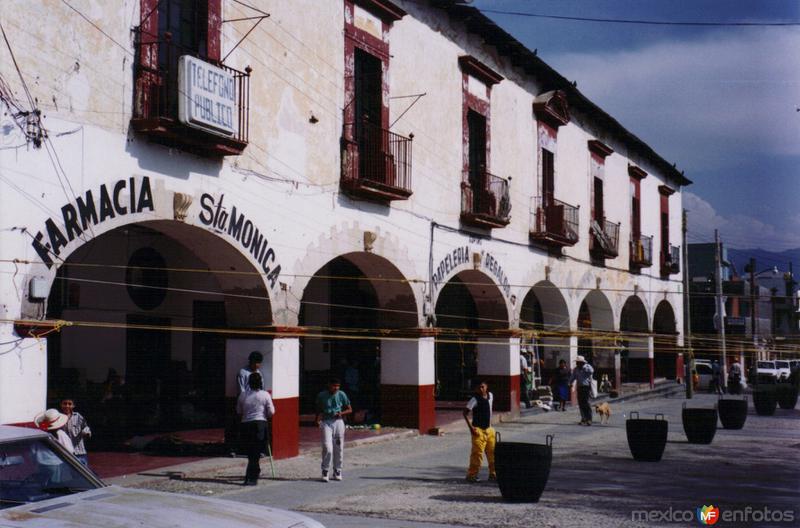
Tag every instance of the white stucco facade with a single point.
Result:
(287, 185)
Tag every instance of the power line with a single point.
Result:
(98, 28)
(641, 21)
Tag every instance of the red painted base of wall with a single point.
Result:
(286, 428)
(408, 406)
(506, 392)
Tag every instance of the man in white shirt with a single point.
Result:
(483, 434)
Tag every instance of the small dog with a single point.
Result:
(604, 410)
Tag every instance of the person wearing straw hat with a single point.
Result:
(582, 376)
(54, 422)
(255, 407)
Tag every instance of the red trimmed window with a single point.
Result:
(485, 200)
(604, 241)
(641, 246)
(670, 255)
(168, 31)
(553, 222)
(376, 163)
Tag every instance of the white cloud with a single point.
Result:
(703, 103)
(739, 230)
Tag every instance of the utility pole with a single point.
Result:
(687, 314)
(753, 308)
(720, 306)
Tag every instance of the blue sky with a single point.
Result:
(721, 102)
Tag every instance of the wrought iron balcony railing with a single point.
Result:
(376, 163)
(604, 241)
(641, 251)
(158, 92)
(553, 222)
(670, 260)
(485, 201)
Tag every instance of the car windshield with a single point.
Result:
(702, 368)
(766, 364)
(31, 471)
(782, 364)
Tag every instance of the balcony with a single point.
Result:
(641, 251)
(376, 163)
(604, 242)
(670, 260)
(487, 205)
(186, 110)
(553, 223)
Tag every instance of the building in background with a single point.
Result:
(178, 195)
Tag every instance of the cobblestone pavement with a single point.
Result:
(418, 481)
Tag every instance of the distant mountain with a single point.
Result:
(765, 259)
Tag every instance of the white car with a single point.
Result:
(704, 373)
(766, 369)
(41, 485)
(783, 369)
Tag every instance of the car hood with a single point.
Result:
(116, 507)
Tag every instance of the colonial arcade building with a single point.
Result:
(205, 178)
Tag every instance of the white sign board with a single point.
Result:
(207, 98)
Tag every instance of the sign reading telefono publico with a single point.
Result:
(207, 98)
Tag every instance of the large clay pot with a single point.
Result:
(732, 412)
(523, 469)
(765, 399)
(700, 425)
(647, 438)
(787, 395)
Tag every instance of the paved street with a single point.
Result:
(594, 482)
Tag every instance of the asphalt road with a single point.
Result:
(419, 481)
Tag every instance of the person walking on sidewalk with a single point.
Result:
(77, 430)
(483, 434)
(582, 376)
(332, 406)
(255, 407)
(561, 385)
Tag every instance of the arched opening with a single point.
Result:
(634, 355)
(344, 305)
(148, 349)
(595, 321)
(469, 302)
(545, 311)
(665, 342)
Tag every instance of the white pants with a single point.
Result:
(332, 443)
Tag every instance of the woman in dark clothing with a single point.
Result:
(561, 385)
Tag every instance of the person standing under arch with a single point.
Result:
(256, 408)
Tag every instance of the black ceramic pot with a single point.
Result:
(732, 412)
(765, 399)
(700, 425)
(647, 438)
(523, 469)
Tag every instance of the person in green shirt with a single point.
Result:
(332, 405)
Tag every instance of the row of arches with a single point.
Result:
(166, 314)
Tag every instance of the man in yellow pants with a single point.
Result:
(483, 435)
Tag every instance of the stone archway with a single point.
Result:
(348, 304)
(595, 327)
(151, 348)
(635, 353)
(469, 305)
(544, 311)
(665, 342)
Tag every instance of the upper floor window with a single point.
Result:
(670, 255)
(376, 163)
(604, 241)
(553, 223)
(485, 199)
(641, 245)
(178, 50)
